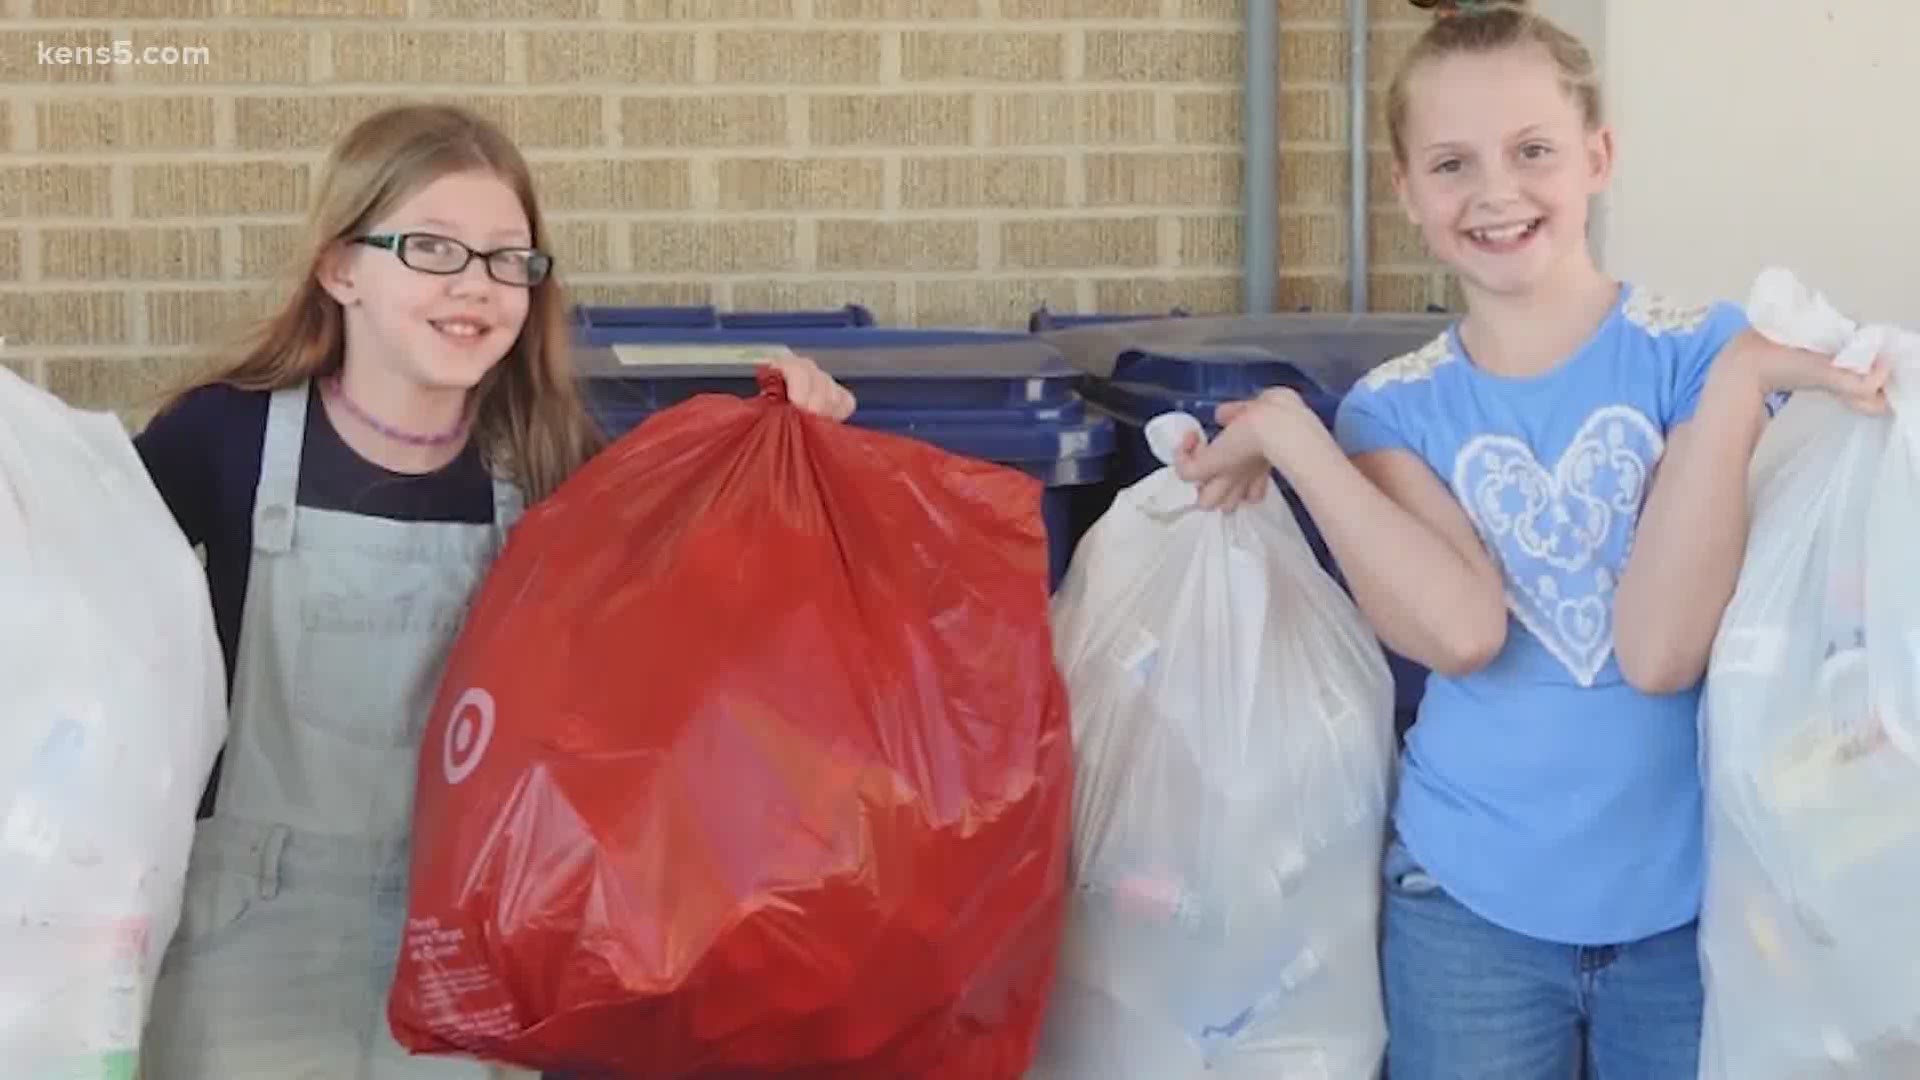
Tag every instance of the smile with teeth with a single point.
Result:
(1505, 234)
(459, 328)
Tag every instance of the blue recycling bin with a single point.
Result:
(999, 397)
(610, 321)
(1195, 366)
(1044, 319)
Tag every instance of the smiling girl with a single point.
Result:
(1546, 505)
(352, 478)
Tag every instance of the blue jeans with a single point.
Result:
(1467, 1000)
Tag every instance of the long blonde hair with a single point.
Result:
(530, 421)
(1487, 27)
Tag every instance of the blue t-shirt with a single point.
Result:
(1543, 792)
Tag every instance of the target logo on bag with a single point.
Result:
(469, 730)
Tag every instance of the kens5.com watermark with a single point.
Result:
(124, 54)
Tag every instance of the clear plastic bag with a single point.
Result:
(112, 708)
(1809, 728)
(1234, 742)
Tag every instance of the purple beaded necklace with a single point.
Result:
(335, 391)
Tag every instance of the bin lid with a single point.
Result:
(610, 317)
(1335, 350)
(1148, 382)
(1067, 448)
(884, 367)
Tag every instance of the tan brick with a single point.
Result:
(622, 57)
(1313, 55)
(996, 302)
(234, 57)
(1379, 178)
(545, 121)
(1377, 133)
(1103, 118)
(1210, 240)
(22, 368)
(740, 120)
(1307, 239)
(390, 56)
(1147, 178)
(1078, 10)
(1387, 48)
(1322, 291)
(151, 123)
(202, 316)
(846, 244)
(896, 10)
(622, 185)
(983, 183)
(714, 247)
(1313, 114)
(1211, 295)
(1313, 178)
(627, 292)
(137, 383)
(252, 187)
(881, 297)
(77, 54)
(9, 255)
(1073, 243)
(802, 184)
(320, 9)
(582, 247)
(313, 122)
(43, 191)
(1144, 56)
(1291, 11)
(1210, 118)
(797, 57)
(1314, 238)
(891, 120)
(126, 9)
(305, 122)
(130, 254)
(1217, 117)
(1392, 240)
(269, 251)
(488, 10)
(6, 130)
(972, 56)
(64, 318)
(686, 11)
(1408, 291)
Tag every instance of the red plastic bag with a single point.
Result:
(752, 760)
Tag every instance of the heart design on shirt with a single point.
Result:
(1562, 535)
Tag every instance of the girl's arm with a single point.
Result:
(1692, 534)
(1416, 567)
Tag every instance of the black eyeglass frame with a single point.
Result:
(539, 263)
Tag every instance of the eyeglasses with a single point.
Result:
(433, 254)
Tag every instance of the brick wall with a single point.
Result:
(941, 161)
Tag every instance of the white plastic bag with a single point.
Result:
(1234, 742)
(112, 708)
(1810, 931)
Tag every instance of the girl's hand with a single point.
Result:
(1781, 368)
(812, 390)
(1256, 436)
